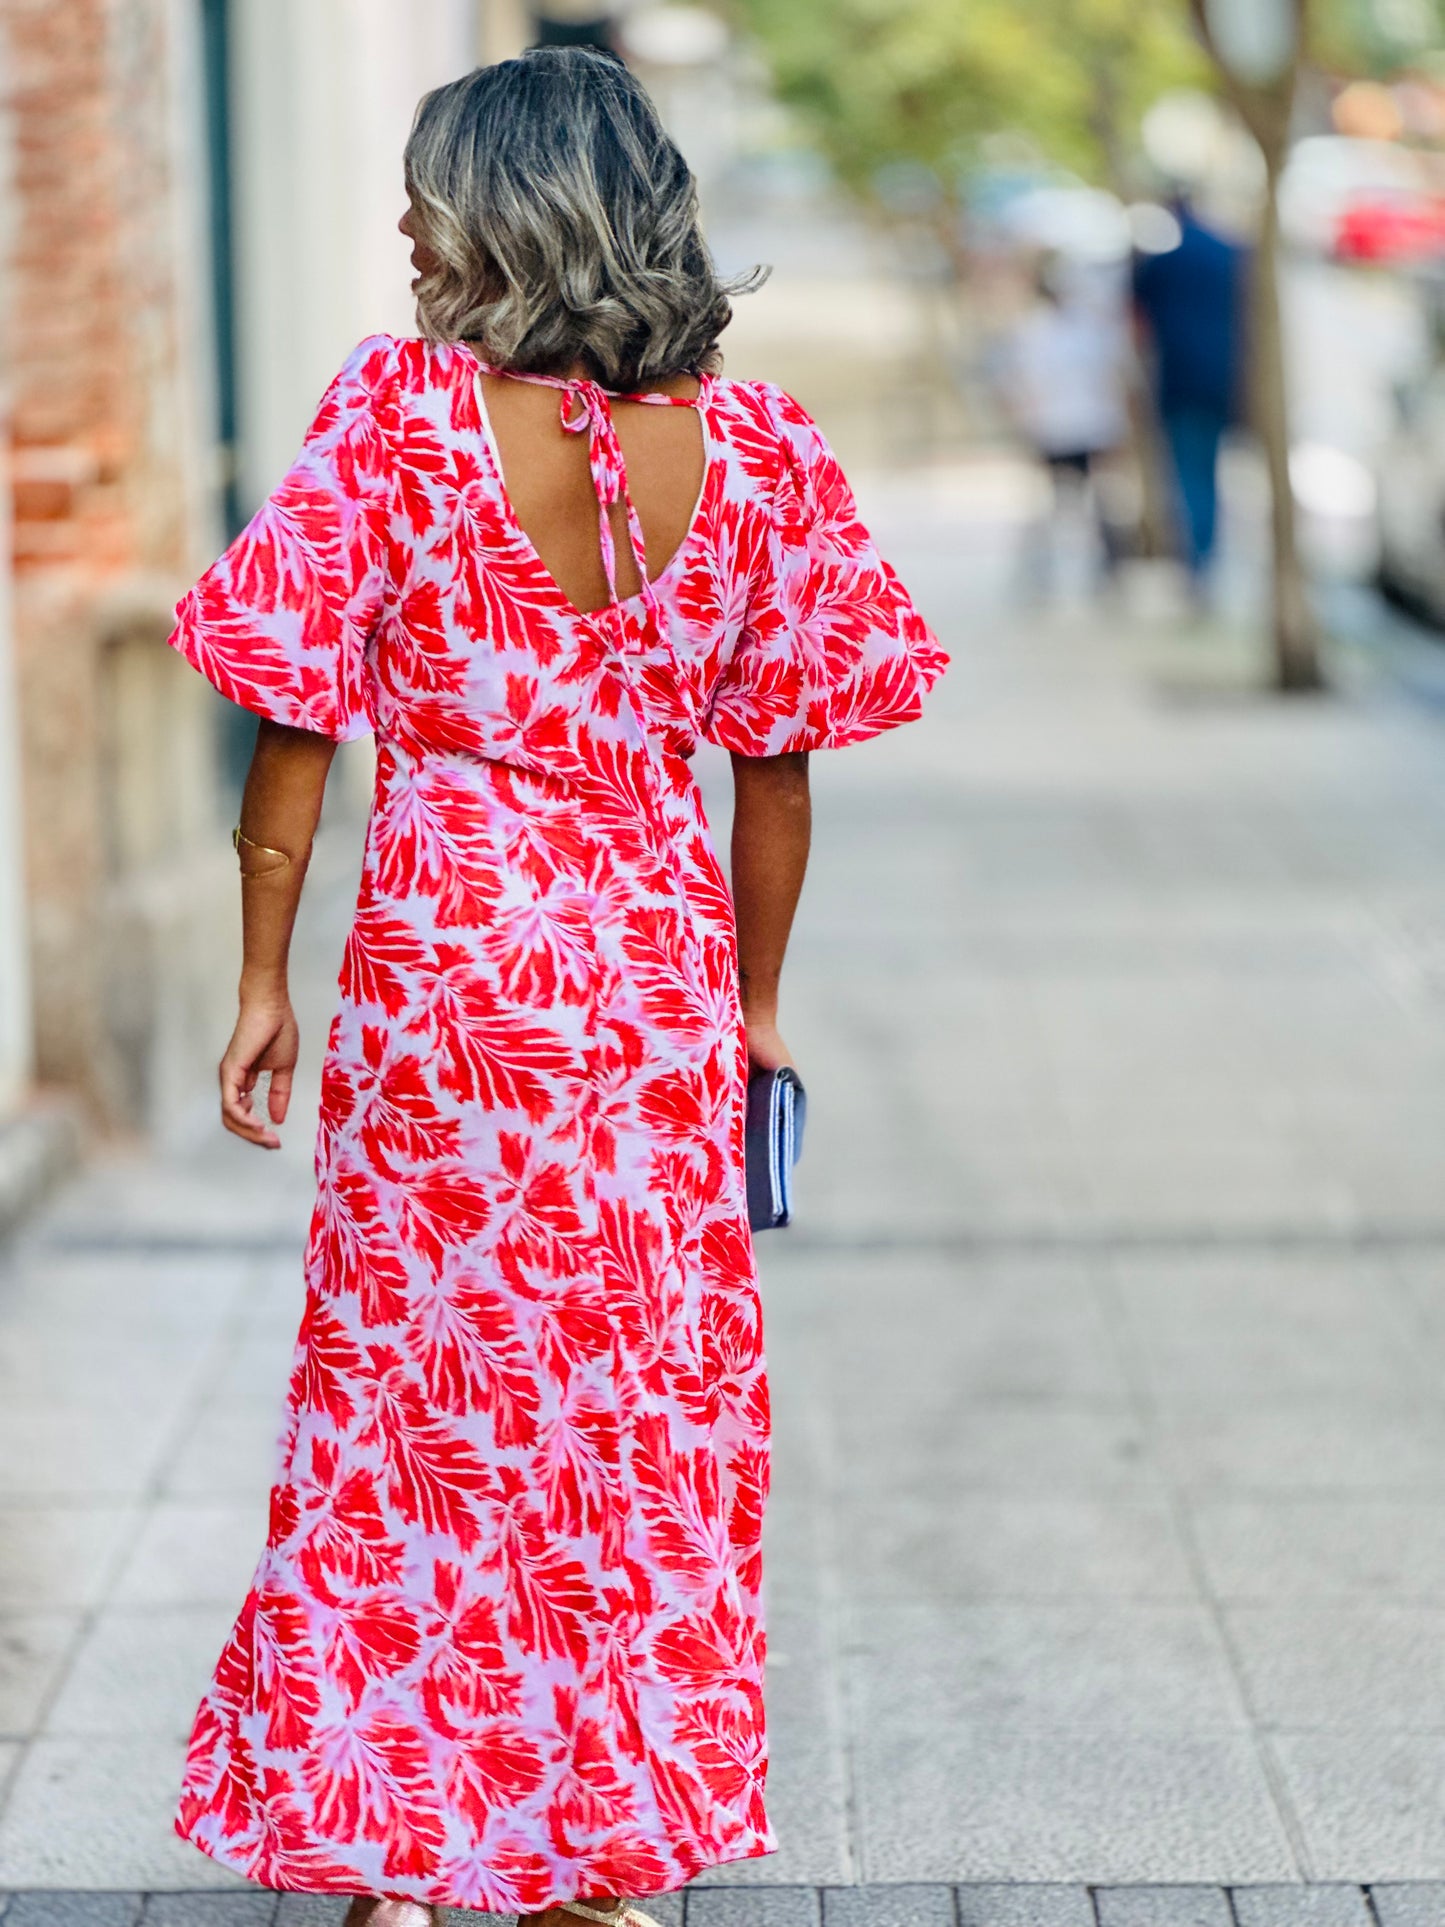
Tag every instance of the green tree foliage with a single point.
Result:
(881, 81)
(1376, 37)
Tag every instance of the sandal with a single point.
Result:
(366, 1911)
(622, 1913)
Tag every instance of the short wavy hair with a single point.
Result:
(564, 224)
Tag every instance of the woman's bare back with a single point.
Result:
(550, 487)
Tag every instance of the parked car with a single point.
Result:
(1406, 230)
(1412, 502)
(1338, 195)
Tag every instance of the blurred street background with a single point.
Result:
(1108, 1542)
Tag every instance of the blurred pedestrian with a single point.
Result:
(504, 1648)
(1063, 373)
(1189, 300)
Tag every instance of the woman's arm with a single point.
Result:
(772, 826)
(279, 813)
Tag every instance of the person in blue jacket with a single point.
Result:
(1190, 304)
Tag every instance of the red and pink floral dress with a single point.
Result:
(504, 1645)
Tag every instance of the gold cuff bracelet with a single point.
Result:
(283, 857)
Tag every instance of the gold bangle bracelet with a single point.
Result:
(283, 857)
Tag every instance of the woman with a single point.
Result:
(503, 1649)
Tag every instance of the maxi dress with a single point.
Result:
(504, 1644)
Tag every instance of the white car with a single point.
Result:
(1412, 502)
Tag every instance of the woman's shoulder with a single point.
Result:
(395, 366)
(764, 400)
(771, 425)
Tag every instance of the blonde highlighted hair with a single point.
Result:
(564, 224)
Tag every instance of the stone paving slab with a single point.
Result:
(1409, 1904)
(74, 1910)
(1163, 1907)
(210, 1910)
(888, 1907)
(1024, 1906)
(1302, 1907)
(753, 1907)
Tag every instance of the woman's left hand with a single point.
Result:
(766, 1049)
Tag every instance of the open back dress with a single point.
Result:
(504, 1644)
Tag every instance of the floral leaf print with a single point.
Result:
(539, 829)
(490, 1052)
(525, 1455)
(434, 1477)
(593, 1794)
(681, 1505)
(288, 1855)
(240, 657)
(358, 1248)
(544, 949)
(539, 1223)
(682, 1796)
(473, 1359)
(503, 591)
(722, 1738)
(627, 1863)
(730, 1327)
(384, 958)
(375, 1635)
(440, 1209)
(434, 841)
(706, 1652)
(579, 1463)
(550, 1600)
(622, 802)
(498, 1765)
(468, 1678)
(618, 1060)
(660, 970)
(422, 658)
(422, 477)
(403, 1125)
(370, 1778)
(287, 1673)
(523, 1876)
(345, 1540)
(327, 1369)
(233, 1796)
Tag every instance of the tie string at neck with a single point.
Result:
(586, 408)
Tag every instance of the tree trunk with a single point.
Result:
(1265, 108)
(1295, 636)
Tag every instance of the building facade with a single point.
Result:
(198, 202)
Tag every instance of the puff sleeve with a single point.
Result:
(832, 650)
(281, 622)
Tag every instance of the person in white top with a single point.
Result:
(1064, 386)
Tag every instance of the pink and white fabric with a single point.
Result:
(504, 1644)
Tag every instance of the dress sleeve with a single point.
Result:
(281, 622)
(832, 650)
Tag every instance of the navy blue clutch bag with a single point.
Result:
(777, 1106)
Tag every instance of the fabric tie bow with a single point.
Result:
(586, 408)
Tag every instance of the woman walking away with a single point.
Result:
(503, 1648)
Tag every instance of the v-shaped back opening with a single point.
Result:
(556, 510)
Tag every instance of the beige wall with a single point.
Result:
(323, 96)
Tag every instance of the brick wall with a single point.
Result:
(98, 326)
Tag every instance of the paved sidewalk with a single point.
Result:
(893, 1905)
(1108, 1546)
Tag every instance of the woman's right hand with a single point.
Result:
(265, 1039)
